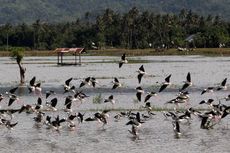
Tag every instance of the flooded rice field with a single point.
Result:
(155, 135)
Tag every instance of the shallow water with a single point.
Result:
(156, 135)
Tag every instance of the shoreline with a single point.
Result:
(134, 52)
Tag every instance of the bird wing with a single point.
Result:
(90, 119)
(87, 79)
(139, 76)
(82, 84)
(22, 109)
(163, 87)
(167, 79)
(184, 86)
(142, 68)
(188, 77)
(54, 102)
(120, 64)
(11, 100)
(116, 80)
(39, 101)
(32, 81)
(138, 94)
(68, 81)
(38, 85)
(111, 97)
(223, 83)
(13, 90)
(147, 98)
(204, 91)
(123, 57)
(114, 86)
(47, 94)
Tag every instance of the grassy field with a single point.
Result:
(136, 52)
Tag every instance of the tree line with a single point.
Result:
(133, 30)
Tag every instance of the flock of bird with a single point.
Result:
(209, 117)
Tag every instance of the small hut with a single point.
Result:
(69, 51)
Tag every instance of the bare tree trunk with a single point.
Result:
(22, 72)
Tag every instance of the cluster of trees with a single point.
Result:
(133, 29)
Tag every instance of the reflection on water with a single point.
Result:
(156, 134)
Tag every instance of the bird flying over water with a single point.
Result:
(85, 81)
(116, 83)
(34, 87)
(222, 86)
(149, 95)
(67, 86)
(140, 91)
(207, 90)
(141, 73)
(110, 99)
(123, 60)
(187, 83)
(165, 84)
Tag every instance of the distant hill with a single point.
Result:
(18, 11)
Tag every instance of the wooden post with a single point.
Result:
(79, 58)
(75, 58)
(61, 58)
(58, 58)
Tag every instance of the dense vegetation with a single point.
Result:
(133, 29)
(19, 11)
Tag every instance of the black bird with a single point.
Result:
(166, 83)
(207, 90)
(52, 104)
(27, 108)
(85, 81)
(12, 99)
(140, 91)
(225, 112)
(34, 87)
(70, 118)
(123, 60)
(38, 106)
(110, 99)
(187, 83)
(141, 73)
(222, 85)
(68, 104)
(10, 125)
(116, 83)
(79, 95)
(136, 121)
(12, 91)
(149, 95)
(80, 117)
(67, 86)
(176, 128)
(100, 117)
(56, 124)
(93, 81)
(208, 102)
(39, 119)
